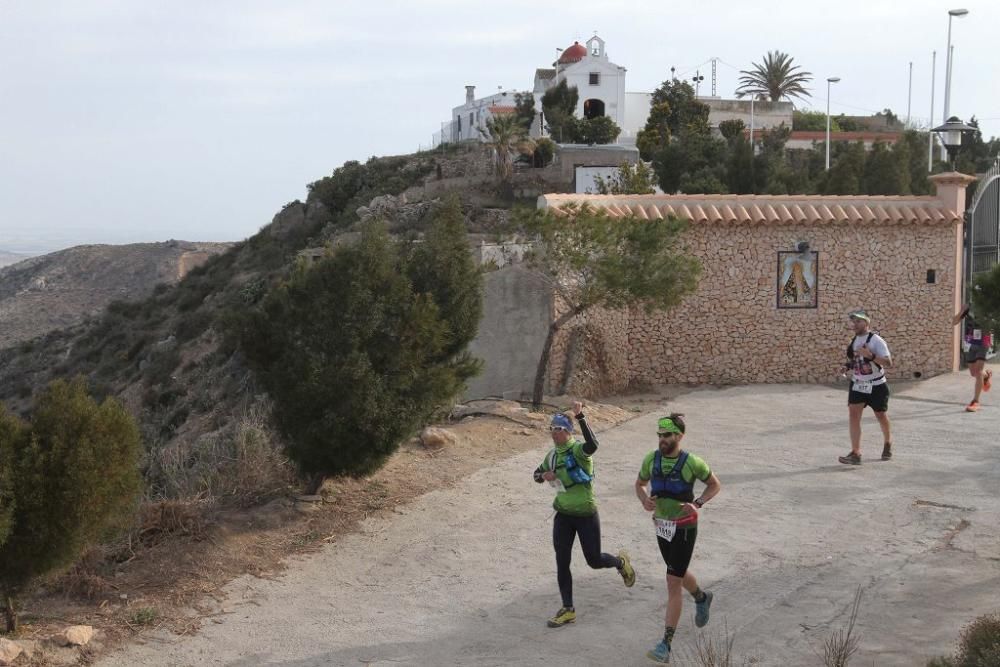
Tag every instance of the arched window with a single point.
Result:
(593, 108)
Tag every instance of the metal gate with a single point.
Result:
(983, 237)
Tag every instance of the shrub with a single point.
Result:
(11, 431)
(978, 646)
(354, 358)
(75, 479)
(545, 151)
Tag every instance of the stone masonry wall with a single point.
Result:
(731, 331)
(593, 349)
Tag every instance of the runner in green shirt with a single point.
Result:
(569, 470)
(669, 474)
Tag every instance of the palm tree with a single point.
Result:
(776, 78)
(506, 135)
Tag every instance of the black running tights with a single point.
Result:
(565, 528)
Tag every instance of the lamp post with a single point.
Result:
(951, 134)
(829, 81)
(952, 13)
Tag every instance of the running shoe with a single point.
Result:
(851, 459)
(626, 570)
(564, 616)
(972, 407)
(988, 381)
(887, 451)
(660, 653)
(701, 610)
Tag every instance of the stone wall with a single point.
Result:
(731, 331)
(590, 356)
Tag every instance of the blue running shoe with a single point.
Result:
(701, 610)
(660, 653)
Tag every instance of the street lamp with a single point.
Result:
(952, 13)
(831, 80)
(951, 136)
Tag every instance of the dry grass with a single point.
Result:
(840, 647)
(716, 650)
(241, 466)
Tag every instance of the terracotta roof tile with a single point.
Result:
(769, 209)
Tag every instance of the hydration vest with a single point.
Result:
(850, 354)
(573, 469)
(672, 484)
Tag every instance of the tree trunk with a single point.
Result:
(10, 614)
(543, 364)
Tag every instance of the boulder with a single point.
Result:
(434, 437)
(9, 651)
(76, 635)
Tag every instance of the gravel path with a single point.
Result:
(466, 576)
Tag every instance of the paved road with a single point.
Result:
(466, 576)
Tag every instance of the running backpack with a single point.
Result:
(576, 473)
(850, 349)
(672, 485)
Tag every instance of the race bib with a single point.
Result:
(863, 386)
(977, 334)
(665, 529)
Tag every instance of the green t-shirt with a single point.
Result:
(575, 499)
(694, 468)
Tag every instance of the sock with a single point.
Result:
(668, 635)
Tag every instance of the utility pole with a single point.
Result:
(909, 96)
(697, 78)
(930, 135)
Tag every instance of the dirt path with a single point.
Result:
(467, 576)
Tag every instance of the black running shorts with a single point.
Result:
(677, 552)
(975, 353)
(878, 400)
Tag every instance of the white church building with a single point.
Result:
(601, 87)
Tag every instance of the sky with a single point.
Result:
(145, 120)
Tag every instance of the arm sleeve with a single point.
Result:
(590, 441)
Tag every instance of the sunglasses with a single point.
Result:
(554, 429)
(665, 435)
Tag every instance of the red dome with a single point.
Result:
(573, 54)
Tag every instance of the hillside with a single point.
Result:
(8, 258)
(61, 289)
(173, 357)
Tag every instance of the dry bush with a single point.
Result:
(717, 650)
(243, 465)
(844, 643)
(979, 645)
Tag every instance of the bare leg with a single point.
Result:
(856, 411)
(674, 599)
(976, 371)
(690, 583)
(883, 422)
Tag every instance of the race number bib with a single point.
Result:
(863, 386)
(977, 334)
(665, 529)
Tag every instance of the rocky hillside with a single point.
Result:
(61, 289)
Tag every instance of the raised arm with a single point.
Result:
(590, 443)
(961, 315)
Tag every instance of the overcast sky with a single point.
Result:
(143, 120)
